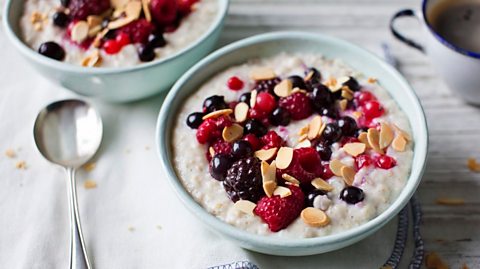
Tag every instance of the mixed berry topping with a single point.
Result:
(248, 141)
(52, 50)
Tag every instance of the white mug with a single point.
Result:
(459, 67)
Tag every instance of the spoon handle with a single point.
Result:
(78, 252)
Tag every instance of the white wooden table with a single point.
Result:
(452, 232)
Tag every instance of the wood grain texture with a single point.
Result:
(452, 231)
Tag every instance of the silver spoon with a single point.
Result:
(68, 133)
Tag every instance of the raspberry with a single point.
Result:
(265, 102)
(266, 85)
(164, 12)
(185, 6)
(244, 180)
(138, 30)
(279, 212)
(305, 165)
(81, 9)
(234, 83)
(219, 146)
(271, 140)
(363, 97)
(257, 114)
(211, 129)
(254, 141)
(298, 104)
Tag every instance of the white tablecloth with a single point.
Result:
(132, 219)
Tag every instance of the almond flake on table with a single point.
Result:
(89, 166)
(450, 201)
(473, 165)
(21, 165)
(10, 153)
(89, 184)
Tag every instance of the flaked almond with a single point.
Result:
(295, 90)
(94, 20)
(314, 217)
(262, 73)
(332, 84)
(450, 201)
(363, 137)
(211, 151)
(253, 98)
(120, 22)
(302, 137)
(269, 182)
(217, 113)
(284, 88)
(348, 174)
(347, 93)
(232, 132)
(343, 104)
(282, 191)
(303, 144)
(341, 80)
(146, 10)
(309, 76)
(79, 31)
(89, 167)
(245, 206)
(399, 143)
(241, 112)
(93, 60)
(303, 130)
(402, 132)
(97, 42)
(322, 128)
(269, 187)
(314, 127)
(36, 17)
(336, 167)
(266, 154)
(373, 137)
(133, 9)
(38, 26)
(291, 179)
(118, 4)
(321, 184)
(10, 153)
(284, 157)
(21, 165)
(357, 114)
(355, 148)
(371, 80)
(473, 165)
(89, 184)
(386, 135)
(93, 31)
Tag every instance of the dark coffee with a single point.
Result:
(458, 22)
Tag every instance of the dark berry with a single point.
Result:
(385, 162)
(297, 82)
(352, 83)
(332, 132)
(310, 197)
(105, 23)
(164, 12)
(266, 85)
(81, 9)
(297, 104)
(60, 19)
(321, 96)
(52, 50)
(241, 149)
(265, 102)
(280, 117)
(195, 119)
(156, 40)
(352, 195)
(234, 83)
(312, 76)
(330, 112)
(348, 126)
(213, 103)
(219, 166)
(324, 150)
(255, 127)
(146, 54)
(245, 98)
(244, 180)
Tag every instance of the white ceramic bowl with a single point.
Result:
(269, 45)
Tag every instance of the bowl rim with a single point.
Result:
(421, 149)
(33, 55)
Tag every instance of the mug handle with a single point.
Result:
(398, 35)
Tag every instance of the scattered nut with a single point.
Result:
(343, 104)
(245, 206)
(386, 135)
(241, 112)
(120, 22)
(336, 167)
(309, 76)
(253, 98)
(266, 154)
(348, 174)
(119, 4)
(79, 31)
(232, 132)
(362, 137)
(354, 149)
(284, 88)
(314, 217)
(473, 165)
(295, 90)
(146, 10)
(89, 166)
(10, 153)
(282, 192)
(314, 127)
(268, 177)
(269, 187)
(133, 9)
(303, 130)
(284, 157)
(450, 201)
(90, 184)
(371, 80)
(402, 132)
(262, 73)
(302, 137)
(21, 165)
(373, 137)
(347, 93)
(94, 20)
(399, 143)
(38, 26)
(218, 113)
(321, 184)
(291, 179)
(303, 144)
(93, 60)
(332, 84)
(211, 151)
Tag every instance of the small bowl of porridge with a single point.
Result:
(115, 50)
(292, 143)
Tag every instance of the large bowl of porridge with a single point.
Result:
(115, 50)
(293, 143)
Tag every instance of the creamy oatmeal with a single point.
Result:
(351, 144)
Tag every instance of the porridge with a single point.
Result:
(114, 33)
(295, 145)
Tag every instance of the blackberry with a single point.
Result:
(244, 180)
(267, 85)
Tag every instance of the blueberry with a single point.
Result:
(214, 102)
(60, 19)
(324, 150)
(348, 126)
(241, 149)
(352, 195)
(330, 112)
(219, 166)
(297, 82)
(245, 98)
(156, 40)
(52, 50)
(195, 119)
(321, 96)
(255, 127)
(280, 116)
(146, 53)
(310, 197)
(352, 83)
(332, 132)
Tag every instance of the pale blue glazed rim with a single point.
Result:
(270, 44)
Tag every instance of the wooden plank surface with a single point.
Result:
(452, 231)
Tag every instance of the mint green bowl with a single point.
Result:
(115, 84)
(268, 45)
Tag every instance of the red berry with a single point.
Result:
(265, 102)
(211, 129)
(364, 96)
(254, 141)
(305, 165)
(81, 9)
(279, 212)
(123, 39)
(327, 172)
(362, 161)
(256, 113)
(185, 6)
(348, 139)
(219, 146)
(372, 109)
(111, 46)
(385, 162)
(138, 30)
(235, 84)
(164, 12)
(298, 104)
(271, 140)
